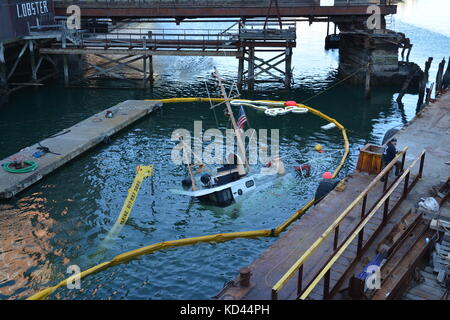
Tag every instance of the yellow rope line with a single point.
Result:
(127, 256)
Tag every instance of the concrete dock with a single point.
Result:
(72, 142)
(429, 131)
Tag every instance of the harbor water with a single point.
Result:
(62, 220)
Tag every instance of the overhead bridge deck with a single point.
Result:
(221, 9)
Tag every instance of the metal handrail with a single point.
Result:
(297, 266)
(404, 177)
(206, 4)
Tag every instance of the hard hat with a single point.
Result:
(327, 175)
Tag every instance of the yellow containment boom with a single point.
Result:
(221, 237)
(142, 172)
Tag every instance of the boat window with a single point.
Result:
(250, 183)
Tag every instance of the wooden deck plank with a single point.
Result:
(304, 232)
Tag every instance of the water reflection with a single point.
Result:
(25, 249)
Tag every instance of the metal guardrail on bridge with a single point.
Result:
(324, 272)
(213, 3)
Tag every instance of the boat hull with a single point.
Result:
(224, 195)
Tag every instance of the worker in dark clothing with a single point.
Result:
(325, 186)
(390, 154)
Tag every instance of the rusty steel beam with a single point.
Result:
(223, 12)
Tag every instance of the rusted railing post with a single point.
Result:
(360, 242)
(386, 210)
(403, 162)
(386, 178)
(326, 286)
(406, 185)
(422, 161)
(300, 280)
(363, 207)
(336, 238)
(274, 294)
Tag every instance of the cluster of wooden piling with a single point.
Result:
(442, 81)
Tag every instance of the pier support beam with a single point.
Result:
(34, 66)
(21, 66)
(66, 70)
(3, 76)
(106, 66)
(150, 65)
(240, 71)
(378, 48)
(270, 68)
(147, 69)
(251, 69)
(255, 38)
(288, 68)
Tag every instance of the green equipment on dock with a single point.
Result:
(9, 167)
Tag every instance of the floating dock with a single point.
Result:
(305, 254)
(72, 142)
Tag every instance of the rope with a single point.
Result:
(10, 167)
(211, 104)
(130, 255)
(337, 83)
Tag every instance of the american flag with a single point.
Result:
(242, 119)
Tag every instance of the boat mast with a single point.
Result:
(233, 120)
(188, 163)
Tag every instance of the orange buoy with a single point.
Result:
(290, 103)
(327, 175)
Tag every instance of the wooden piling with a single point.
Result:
(150, 65)
(428, 96)
(405, 86)
(3, 76)
(65, 63)
(251, 70)
(446, 77)
(144, 70)
(32, 61)
(288, 68)
(367, 81)
(3, 73)
(240, 71)
(423, 83)
(439, 77)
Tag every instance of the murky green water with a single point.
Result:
(62, 220)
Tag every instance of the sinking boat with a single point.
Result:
(233, 180)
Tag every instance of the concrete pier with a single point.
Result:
(78, 139)
(375, 53)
